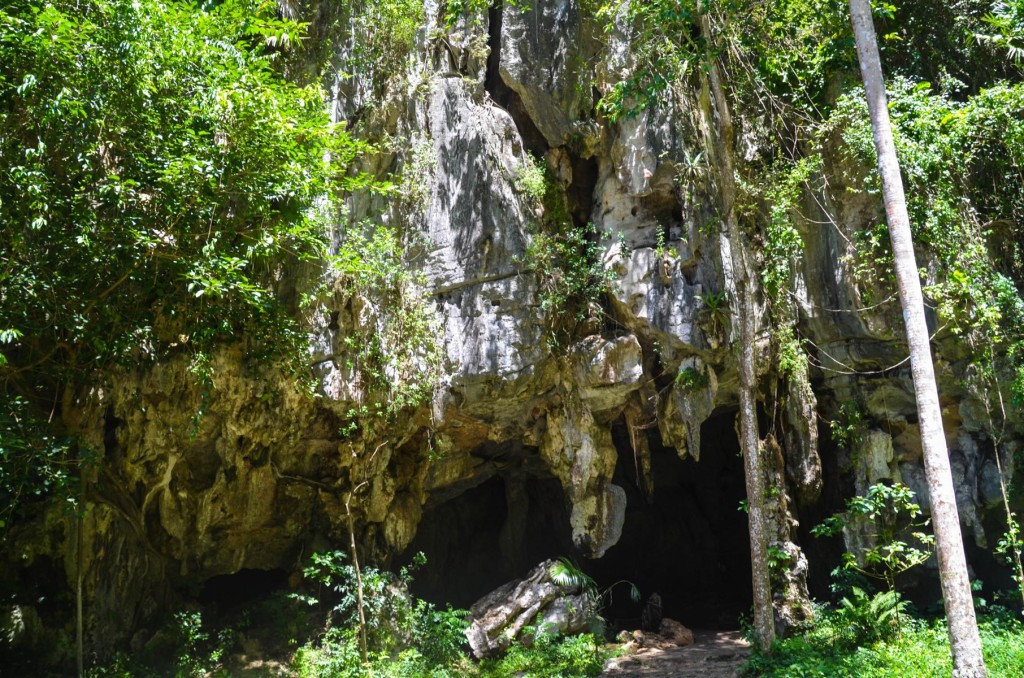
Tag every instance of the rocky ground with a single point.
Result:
(714, 654)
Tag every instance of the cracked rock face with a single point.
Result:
(582, 456)
(544, 57)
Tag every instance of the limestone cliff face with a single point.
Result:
(261, 479)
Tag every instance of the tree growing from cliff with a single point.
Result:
(956, 590)
(160, 176)
(742, 288)
(672, 37)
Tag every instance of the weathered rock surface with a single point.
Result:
(675, 632)
(536, 603)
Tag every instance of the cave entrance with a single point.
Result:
(688, 541)
(238, 589)
(489, 535)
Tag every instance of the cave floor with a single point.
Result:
(714, 654)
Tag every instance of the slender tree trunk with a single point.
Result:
(1012, 527)
(956, 589)
(359, 572)
(79, 619)
(67, 402)
(743, 296)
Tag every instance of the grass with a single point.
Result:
(921, 650)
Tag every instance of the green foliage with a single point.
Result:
(793, 49)
(792, 359)
(826, 650)
(871, 618)
(566, 257)
(412, 639)
(159, 173)
(961, 164)
(160, 176)
(690, 379)
(382, 35)
(424, 639)
(120, 666)
(884, 513)
(549, 657)
(531, 179)
(714, 314)
(570, 270)
(475, 10)
(199, 654)
(783, 243)
(362, 45)
(666, 45)
(1005, 28)
(847, 428)
(34, 462)
(937, 41)
(566, 573)
(397, 354)
(1010, 548)
(786, 52)
(337, 656)
(458, 9)
(197, 651)
(779, 559)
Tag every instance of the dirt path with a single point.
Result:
(715, 654)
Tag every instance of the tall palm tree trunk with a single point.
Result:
(956, 589)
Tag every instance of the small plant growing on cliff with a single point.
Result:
(779, 559)
(396, 353)
(715, 313)
(792, 358)
(847, 427)
(690, 379)
(569, 267)
(531, 180)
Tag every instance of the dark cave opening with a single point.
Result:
(229, 591)
(580, 193)
(687, 542)
(474, 543)
(503, 95)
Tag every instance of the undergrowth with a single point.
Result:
(829, 649)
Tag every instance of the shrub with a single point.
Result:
(921, 651)
(406, 636)
(549, 657)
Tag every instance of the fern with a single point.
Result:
(873, 618)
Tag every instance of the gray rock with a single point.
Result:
(608, 371)
(535, 602)
(544, 49)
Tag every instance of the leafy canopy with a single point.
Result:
(158, 171)
(159, 175)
